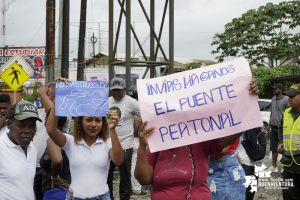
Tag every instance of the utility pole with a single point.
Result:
(58, 59)
(128, 45)
(50, 42)
(111, 40)
(65, 40)
(94, 40)
(99, 37)
(3, 10)
(3, 22)
(80, 69)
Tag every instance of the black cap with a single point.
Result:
(294, 90)
(278, 85)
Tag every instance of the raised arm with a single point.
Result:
(58, 137)
(42, 92)
(116, 152)
(143, 171)
(55, 155)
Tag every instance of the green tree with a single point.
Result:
(265, 77)
(263, 36)
(193, 65)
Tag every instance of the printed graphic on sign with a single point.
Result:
(20, 61)
(14, 76)
(81, 98)
(32, 58)
(198, 105)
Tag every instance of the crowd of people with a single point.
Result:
(42, 159)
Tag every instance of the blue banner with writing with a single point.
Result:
(81, 98)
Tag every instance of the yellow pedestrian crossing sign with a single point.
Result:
(14, 76)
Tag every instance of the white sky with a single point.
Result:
(196, 22)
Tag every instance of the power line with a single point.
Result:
(36, 32)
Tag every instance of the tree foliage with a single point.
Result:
(263, 35)
(265, 77)
(193, 65)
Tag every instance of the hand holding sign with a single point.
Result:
(253, 88)
(113, 119)
(61, 79)
(144, 134)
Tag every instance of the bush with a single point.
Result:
(265, 76)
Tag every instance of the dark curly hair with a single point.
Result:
(5, 98)
(78, 130)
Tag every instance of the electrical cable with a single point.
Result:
(36, 32)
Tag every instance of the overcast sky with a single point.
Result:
(196, 22)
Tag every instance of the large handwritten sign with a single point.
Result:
(81, 98)
(198, 105)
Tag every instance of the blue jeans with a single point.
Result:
(55, 194)
(225, 178)
(105, 196)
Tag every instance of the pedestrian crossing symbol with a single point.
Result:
(14, 76)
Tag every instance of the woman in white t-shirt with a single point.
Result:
(89, 151)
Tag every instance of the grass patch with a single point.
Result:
(72, 126)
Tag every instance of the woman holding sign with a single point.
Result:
(89, 151)
(179, 173)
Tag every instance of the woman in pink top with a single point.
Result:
(179, 173)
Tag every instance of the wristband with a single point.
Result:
(55, 179)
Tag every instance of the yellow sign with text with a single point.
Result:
(14, 76)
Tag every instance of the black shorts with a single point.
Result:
(274, 138)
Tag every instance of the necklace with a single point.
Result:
(187, 196)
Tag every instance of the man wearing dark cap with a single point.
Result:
(289, 144)
(126, 108)
(278, 106)
(18, 155)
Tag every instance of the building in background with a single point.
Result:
(34, 56)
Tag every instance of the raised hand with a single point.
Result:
(144, 134)
(61, 79)
(113, 119)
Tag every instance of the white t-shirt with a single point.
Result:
(89, 166)
(4, 130)
(16, 170)
(244, 158)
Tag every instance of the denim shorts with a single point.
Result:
(274, 138)
(105, 196)
(226, 178)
